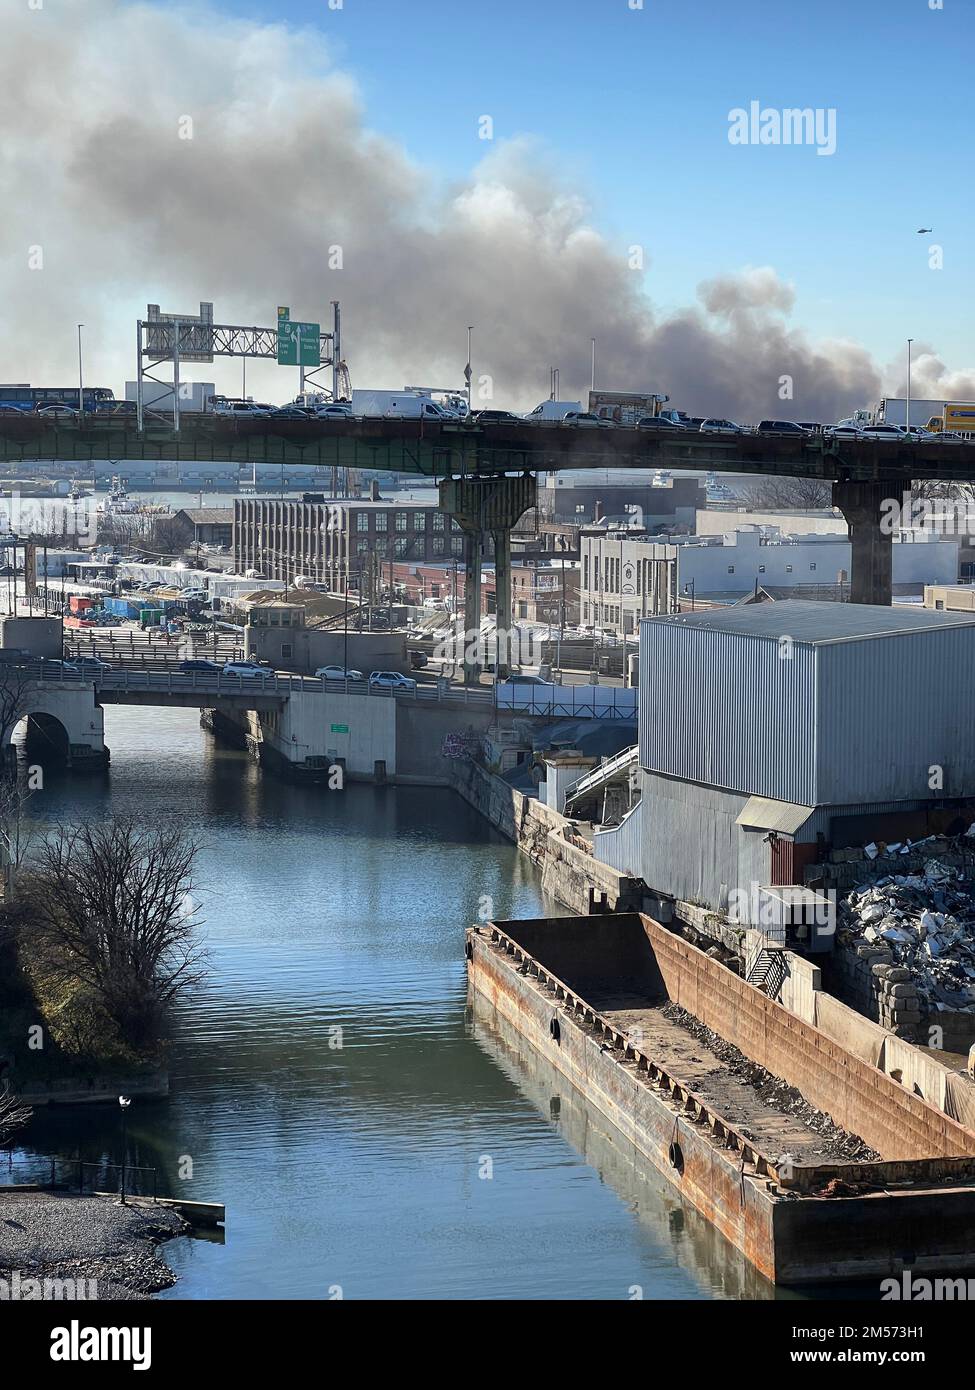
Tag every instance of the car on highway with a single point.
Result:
(58, 411)
(333, 411)
(585, 419)
(246, 670)
(391, 680)
(520, 678)
(719, 427)
(91, 665)
(11, 410)
(338, 673)
(884, 432)
(843, 431)
(781, 427)
(948, 437)
(290, 412)
(658, 422)
(55, 667)
(199, 663)
(493, 417)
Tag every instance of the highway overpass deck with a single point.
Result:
(457, 450)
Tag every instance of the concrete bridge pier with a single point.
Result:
(481, 505)
(871, 537)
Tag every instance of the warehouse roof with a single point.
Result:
(208, 516)
(820, 622)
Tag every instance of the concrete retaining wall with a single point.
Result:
(569, 873)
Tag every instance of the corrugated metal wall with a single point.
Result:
(891, 708)
(727, 710)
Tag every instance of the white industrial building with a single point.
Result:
(769, 732)
(623, 578)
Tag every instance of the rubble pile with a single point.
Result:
(832, 1141)
(917, 932)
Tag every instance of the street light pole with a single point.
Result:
(592, 374)
(81, 377)
(124, 1103)
(470, 370)
(907, 417)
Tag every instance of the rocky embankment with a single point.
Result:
(113, 1248)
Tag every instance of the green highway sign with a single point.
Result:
(340, 728)
(298, 343)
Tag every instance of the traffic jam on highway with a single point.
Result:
(944, 422)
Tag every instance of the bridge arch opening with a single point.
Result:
(42, 738)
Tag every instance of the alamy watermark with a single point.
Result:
(792, 125)
(18, 1287)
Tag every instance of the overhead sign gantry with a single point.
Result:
(177, 338)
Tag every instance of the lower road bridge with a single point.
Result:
(298, 723)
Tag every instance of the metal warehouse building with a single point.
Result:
(769, 731)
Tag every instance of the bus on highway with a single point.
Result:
(23, 396)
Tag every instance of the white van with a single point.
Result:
(553, 412)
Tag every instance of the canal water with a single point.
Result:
(428, 1156)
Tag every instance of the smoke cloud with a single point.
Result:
(172, 155)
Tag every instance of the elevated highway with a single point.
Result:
(461, 451)
(486, 473)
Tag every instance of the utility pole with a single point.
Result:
(907, 417)
(592, 374)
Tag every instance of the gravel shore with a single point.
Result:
(58, 1236)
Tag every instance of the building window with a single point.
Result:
(457, 545)
(381, 546)
(362, 547)
(455, 527)
(362, 521)
(731, 569)
(286, 651)
(400, 546)
(813, 565)
(761, 569)
(401, 521)
(439, 544)
(585, 572)
(438, 520)
(788, 569)
(419, 521)
(382, 521)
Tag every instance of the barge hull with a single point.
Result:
(792, 1236)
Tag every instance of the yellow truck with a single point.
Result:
(957, 417)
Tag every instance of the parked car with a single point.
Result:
(248, 670)
(781, 427)
(418, 660)
(719, 427)
(658, 422)
(199, 663)
(517, 678)
(338, 673)
(391, 680)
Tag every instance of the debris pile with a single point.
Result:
(917, 931)
(831, 1140)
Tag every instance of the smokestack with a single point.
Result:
(598, 512)
(374, 490)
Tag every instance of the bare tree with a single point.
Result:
(15, 684)
(13, 1113)
(110, 907)
(17, 831)
(792, 494)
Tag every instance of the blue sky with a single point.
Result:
(632, 108)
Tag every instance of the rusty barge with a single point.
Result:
(606, 998)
